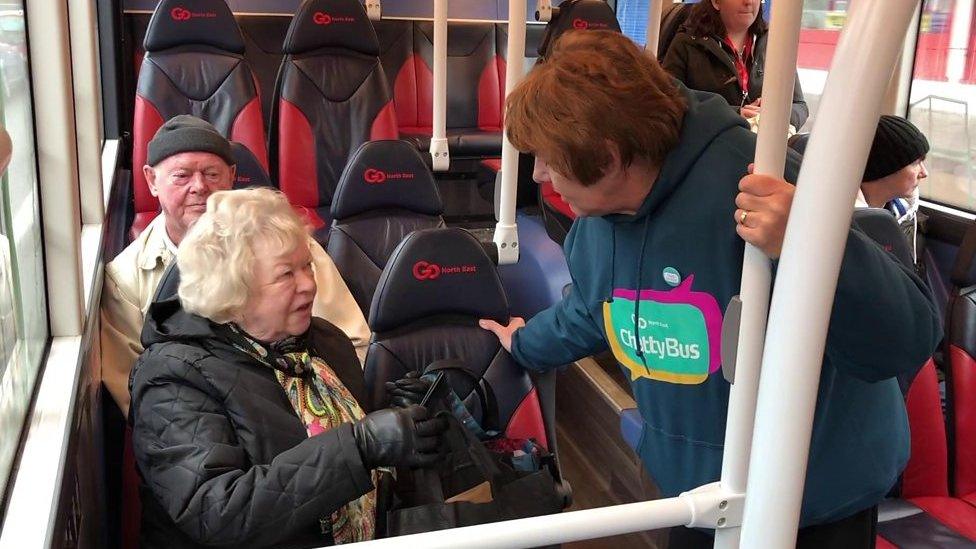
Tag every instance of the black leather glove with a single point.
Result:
(399, 437)
(408, 390)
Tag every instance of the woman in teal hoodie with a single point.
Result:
(653, 170)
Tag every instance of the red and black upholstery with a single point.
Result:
(437, 285)
(960, 355)
(926, 515)
(193, 64)
(386, 192)
(332, 97)
(248, 172)
(475, 85)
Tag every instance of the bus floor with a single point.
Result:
(593, 456)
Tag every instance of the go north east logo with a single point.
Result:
(425, 270)
(375, 177)
(182, 14)
(583, 24)
(676, 338)
(322, 18)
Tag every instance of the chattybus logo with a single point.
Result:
(180, 13)
(425, 270)
(322, 18)
(375, 177)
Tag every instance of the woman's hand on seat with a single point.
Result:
(408, 390)
(504, 333)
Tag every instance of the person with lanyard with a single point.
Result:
(721, 48)
(659, 177)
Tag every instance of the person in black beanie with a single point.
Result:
(895, 167)
(896, 163)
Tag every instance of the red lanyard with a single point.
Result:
(740, 62)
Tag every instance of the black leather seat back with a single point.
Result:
(249, 172)
(437, 285)
(577, 15)
(386, 192)
(193, 64)
(332, 97)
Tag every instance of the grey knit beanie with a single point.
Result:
(186, 133)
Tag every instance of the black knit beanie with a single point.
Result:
(897, 143)
(185, 133)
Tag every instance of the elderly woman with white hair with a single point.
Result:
(247, 423)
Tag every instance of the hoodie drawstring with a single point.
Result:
(640, 275)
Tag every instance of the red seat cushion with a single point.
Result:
(927, 471)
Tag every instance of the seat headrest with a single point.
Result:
(798, 142)
(196, 22)
(437, 272)
(331, 24)
(387, 174)
(248, 172)
(578, 15)
(879, 225)
(963, 273)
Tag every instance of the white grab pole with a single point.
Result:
(816, 235)
(506, 231)
(549, 529)
(439, 152)
(777, 95)
(653, 27)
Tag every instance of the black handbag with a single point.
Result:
(472, 484)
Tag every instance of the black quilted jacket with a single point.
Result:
(223, 457)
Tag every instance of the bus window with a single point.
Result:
(943, 100)
(23, 307)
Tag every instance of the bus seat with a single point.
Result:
(385, 193)
(475, 89)
(332, 96)
(926, 515)
(671, 21)
(961, 368)
(249, 171)
(798, 142)
(437, 285)
(193, 64)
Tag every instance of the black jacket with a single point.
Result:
(224, 459)
(706, 64)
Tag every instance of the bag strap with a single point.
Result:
(490, 417)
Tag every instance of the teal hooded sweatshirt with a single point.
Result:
(653, 287)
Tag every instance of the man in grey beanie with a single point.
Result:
(188, 160)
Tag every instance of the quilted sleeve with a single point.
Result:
(187, 451)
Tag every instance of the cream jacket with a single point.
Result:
(130, 283)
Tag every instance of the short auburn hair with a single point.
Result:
(596, 90)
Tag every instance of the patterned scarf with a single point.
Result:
(323, 403)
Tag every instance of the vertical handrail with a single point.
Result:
(653, 35)
(777, 96)
(439, 151)
(816, 235)
(506, 231)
